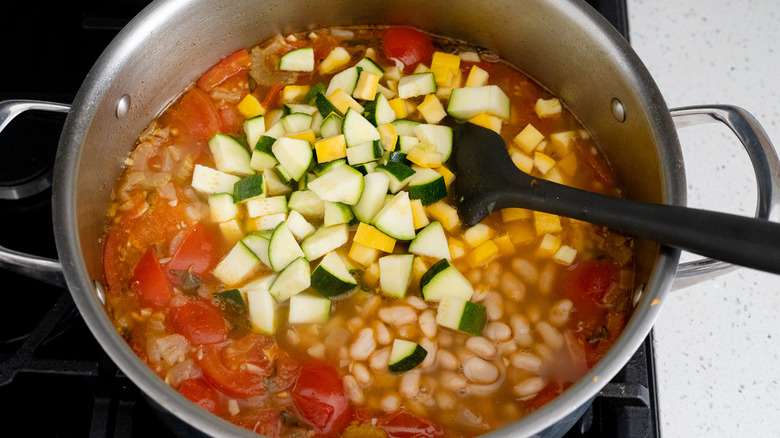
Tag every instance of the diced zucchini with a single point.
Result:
(337, 213)
(294, 279)
(284, 176)
(364, 153)
(323, 168)
(395, 218)
(357, 129)
(331, 126)
(405, 355)
(432, 242)
(307, 203)
(309, 308)
(372, 199)
(342, 184)
(299, 226)
(345, 80)
(459, 314)
(443, 279)
(298, 60)
(324, 240)
(274, 184)
(395, 274)
(407, 142)
(331, 277)
(379, 111)
(368, 64)
(269, 222)
(230, 156)
(404, 127)
(283, 248)
(297, 121)
(427, 185)
(265, 206)
(366, 168)
(326, 108)
(258, 243)
(294, 108)
(294, 156)
(249, 188)
(276, 130)
(237, 266)
(466, 103)
(396, 157)
(439, 136)
(222, 207)
(418, 84)
(262, 155)
(254, 128)
(399, 174)
(261, 310)
(208, 181)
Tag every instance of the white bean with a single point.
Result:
(551, 336)
(447, 360)
(529, 387)
(416, 302)
(481, 346)
(389, 403)
(547, 279)
(364, 345)
(494, 306)
(560, 312)
(379, 359)
(474, 276)
(452, 381)
(525, 269)
(430, 347)
(498, 331)
(410, 384)
(398, 315)
(383, 334)
(317, 351)
(445, 400)
(362, 374)
(512, 287)
(428, 323)
(507, 348)
(352, 389)
(525, 360)
(480, 371)
(355, 323)
(492, 274)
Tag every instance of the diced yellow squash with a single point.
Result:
(482, 254)
(477, 235)
(331, 148)
(250, 107)
(432, 109)
(445, 60)
(522, 161)
(419, 219)
(546, 223)
(548, 108)
(520, 232)
(562, 140)
(515, 214)
(392, 85)
(528, 138)
(366, 86)
(337, 58)
(485, 120)
(446, 173)
(565, 255)
(444, 213)
(371, 275)
(305, 135)
(442, 75)
(477, 77)
(387, 136)
(421, 68)
(443, 93)
(425, 158)
(505, 245)
(294, 93)
(554, 176)
(542, 147)
(543, 162)
(568, 164)
(363, 255)
(399, 107)
(419, 268)
(457, 79)
(549, 245)
(231, 231)
(457, 247)
(371, 237)
(343, 101)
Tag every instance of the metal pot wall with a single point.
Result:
(564, 44)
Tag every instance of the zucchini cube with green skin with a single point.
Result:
(209, 181)
(379, 111)
(427, 185)
(358, 130)
(222, 207)
(431, 242)
(237, 266)
(466, 103)
(309, 308)
(331, 277)
(460, 314)
(298, 60)
(258, 243)
(254, 128)
(328, 109)
(325, 240)
(294, 108)
(299, 226)
(373, 197)
(274, 184)
(265, 206)
(230, 156)
(307, 203)
(395, 274)
(262, 156)
(418, 84)
(261, 309)
(404, 127)
(345, 80)
(294, 155)
(283, 248)
(439, 136)
(399, 174)
(337, 213)
(405, 356)
(331, 126)
(368, 64)
(442, 280)
(294, 279)
(364, 153)
(323, 168)
(249, 188)
(296, 122)
(342, 184)
(395, 218)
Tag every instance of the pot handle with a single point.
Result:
(40, 268)
(765, 165)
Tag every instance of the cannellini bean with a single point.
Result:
(498, 331)
(352, 389)
(317, 351)
(398, 315)
(529, 387)
(507, 348)
(520, 324)
(480, 371)
(379, 359)
(525, 360)
(383, 334)
(428, 323)
(389, 403)
(447, 360)
(547, 279)
(445, 400)
(512, 287)
(364, 345)
(551, 336)
(452, 381)
(492, 275)
(445, 339)
(408, 332)
(474, 276)
(494, 306)
(525, 269)
(481, 346)
(430, 347)
(356, 323)
(362, 374)
(410, 384)
(479, 294)
(292, 337)
(416, 302)
(560, 312)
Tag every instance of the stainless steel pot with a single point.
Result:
(565, 44)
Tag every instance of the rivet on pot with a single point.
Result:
(100, 292)
(122, 106)
(618, 112)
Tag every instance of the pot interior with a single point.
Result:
(565, 45)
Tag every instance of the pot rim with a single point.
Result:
(81, 286)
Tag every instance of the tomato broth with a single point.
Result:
(300, 273)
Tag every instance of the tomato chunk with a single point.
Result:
(403, 424)
(225, 367)
(200, 392)
(199, 322)
(587, 282)
(319, 398)
(199, 251)
(224, 69)
(408, 45)
(266, 422)
(195, 116)
(150, 283)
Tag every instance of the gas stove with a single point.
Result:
(55, 380)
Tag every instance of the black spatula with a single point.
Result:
(487, 181)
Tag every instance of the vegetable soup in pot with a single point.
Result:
(283, 247)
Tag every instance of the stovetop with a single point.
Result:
(55, 380)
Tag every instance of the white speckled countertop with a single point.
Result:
(718, 343)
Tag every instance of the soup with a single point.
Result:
(284, 247)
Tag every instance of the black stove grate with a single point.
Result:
(55, 380)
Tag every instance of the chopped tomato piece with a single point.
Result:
(224, 69)
(150, 283)
(408, 45)
(272, 97)
(231, 118)
(587, 282)
(199, 322)
(287, 370)
(195, 116)
(199, 251)
(319, 398)
(266, 422)
(200, 392)
(403, 424)
(226, 367)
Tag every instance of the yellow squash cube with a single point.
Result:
(331, 148)
(457, 248)
(528, 138)
(446, 61)
(477, 77)
(425, 158)
(446, 173)
(515, 214)
(387, 136)
(343, 101)
(477, 235)
(444, 213)
(250, 107)
(543, 162)
(432, 109)
(482, 254)
(366, 86)
(546, 223)
(371, 237)
(548, 108)
(419, 219)
(337, 58)
(505, 245)
(549, 245)
(520, 232)
(231, 231)
(306, 135)
(400, 108)
(485, 120)
(363, 255)
(523, 162)
(294, 93)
